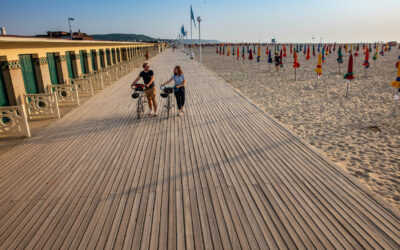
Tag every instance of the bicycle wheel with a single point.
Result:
(139, 107)
(168, 105)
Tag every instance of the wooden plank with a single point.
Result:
(224, 175)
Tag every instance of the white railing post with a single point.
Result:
(25, 122)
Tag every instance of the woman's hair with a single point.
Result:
(180, 72)
(144, 64)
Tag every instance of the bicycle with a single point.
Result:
(166, 93)
(138, 94)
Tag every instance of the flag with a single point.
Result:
(70, 19)
(183, 32)
(350, 75)
(192, 16)
(318, 70)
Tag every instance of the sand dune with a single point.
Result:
(359, 132)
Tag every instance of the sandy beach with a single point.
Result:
(359, 133)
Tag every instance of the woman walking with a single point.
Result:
(179, 88)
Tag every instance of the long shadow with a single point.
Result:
(98, 125)
(197, 169)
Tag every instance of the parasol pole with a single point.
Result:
(347, 87)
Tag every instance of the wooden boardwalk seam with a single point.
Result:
(224, 175)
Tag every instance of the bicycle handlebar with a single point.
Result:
(134, 86)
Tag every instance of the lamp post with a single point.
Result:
(199, 20)
(69, 22)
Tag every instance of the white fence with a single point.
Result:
(66, 93)
(13, 121)
(42, 105)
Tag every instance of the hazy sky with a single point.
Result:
(236, 20)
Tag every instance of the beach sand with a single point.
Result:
(359, 133)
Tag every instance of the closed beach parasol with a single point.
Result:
(376, 54)
(318, 69)
(340, 57)
(284, 50)
(366, 60)
(382, 53)
(349, 75)
(251, 54)
(308, 53)
(243, 54)
(396, 83)
(259, 54)
(313, 51)
(296, 64)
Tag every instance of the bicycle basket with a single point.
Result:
(164, 95)
(139, 87)
(135, 95)
(169, 90)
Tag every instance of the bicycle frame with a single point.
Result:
(140, 102)
(169, 100)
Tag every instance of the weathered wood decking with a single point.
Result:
(225, 175)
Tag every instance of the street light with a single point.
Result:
(69, 22)
(199, 20)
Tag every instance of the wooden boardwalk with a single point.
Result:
(224, 175)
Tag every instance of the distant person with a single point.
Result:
(179, 88)
(277, 61)
(150, 88)
(147, 55)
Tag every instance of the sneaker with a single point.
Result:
(155, 114)
(151, 112)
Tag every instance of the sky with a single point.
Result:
(224, 20)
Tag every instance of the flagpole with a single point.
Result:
(199, 20)
(191, 39)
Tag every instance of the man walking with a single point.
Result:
(150, 87)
